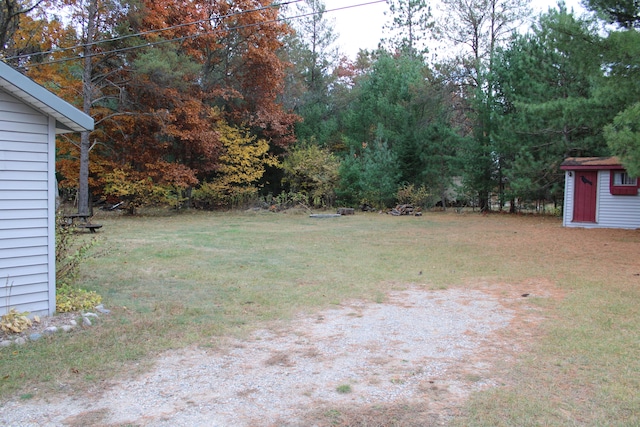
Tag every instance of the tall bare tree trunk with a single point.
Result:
(87, 94)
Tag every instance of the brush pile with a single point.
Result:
(406, 210)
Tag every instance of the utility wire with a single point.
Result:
(158, 30)
(178, 39)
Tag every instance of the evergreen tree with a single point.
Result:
(546, 89)
(370, 177)
(313, 55)
(625, 13)
(409, 27)
(386, 107)
(623, 136)
(478, 27)
(619, 90)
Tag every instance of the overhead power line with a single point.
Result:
(158, 30)
(183, 38)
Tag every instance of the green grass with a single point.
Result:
(344, 389)
(194, 278)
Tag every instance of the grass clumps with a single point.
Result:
(344, 389)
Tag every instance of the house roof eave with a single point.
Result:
(68, 118)
(591, 163)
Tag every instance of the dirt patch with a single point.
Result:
(408, 361)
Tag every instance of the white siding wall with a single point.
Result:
(567, 210)
(25, 224)
(617, 211)
(611, 211)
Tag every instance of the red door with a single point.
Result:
(584, 202)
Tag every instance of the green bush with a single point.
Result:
(370, 177)
(70, 299)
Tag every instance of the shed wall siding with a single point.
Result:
(617, 211)
(567, 211)
(25, 223)
(612, 211)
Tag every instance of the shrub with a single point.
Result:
(213, 195)
(15, 322)
(70, 299)
(138, 190)
(286, 200)
(313, 171)
(70, 253)
(207, 196)
(409, 194)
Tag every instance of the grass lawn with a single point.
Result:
(196, 278)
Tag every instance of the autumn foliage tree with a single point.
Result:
(313, 172)
(42, 46)
(177, 89)
(170, 85)
(189, 101)
(242, 163)
(247, 75)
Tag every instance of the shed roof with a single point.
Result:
(594, 163)
(68, 118)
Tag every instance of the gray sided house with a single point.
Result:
(599, 193)
(30, 118)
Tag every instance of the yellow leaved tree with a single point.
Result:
(242, 163)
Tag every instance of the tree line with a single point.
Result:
(213, 103)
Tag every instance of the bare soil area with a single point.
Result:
(409, 360)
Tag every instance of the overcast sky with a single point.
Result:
(361, 26)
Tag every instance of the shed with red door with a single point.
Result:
(599, 193)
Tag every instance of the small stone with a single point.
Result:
(67, 328)
(35, 337)
(5, 343)
(51, 330)
(86, 321)
(73, 322)
(89, 315)
(20, 341)
(100, 308)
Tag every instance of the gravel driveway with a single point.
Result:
(421, 349)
